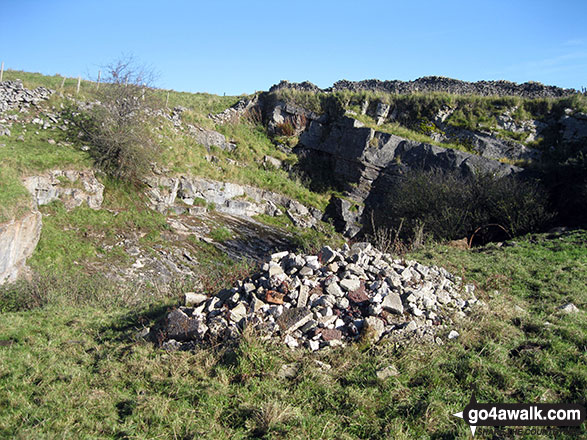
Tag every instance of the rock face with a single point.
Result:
(367, 163)
(72, 187)
(18, 239)
(574, 128)
(195, 195)
(327, 300)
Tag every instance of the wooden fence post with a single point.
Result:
(79, 81)
(167, 100)
(98, 85)
(2, 71)
(63, 83)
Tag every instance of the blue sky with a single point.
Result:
(236, 47)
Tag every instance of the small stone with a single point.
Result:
(453, 334)
(239, 312)
(273, 297)
(143, 334)
(373, 329)
(329, 335)
(389, 371)
(193, 299)
(358, 296)
(290, 341)
(275, 269)
(249, 287)
(314, 345)
(288, 371)
(393, 303)
(182, 327)
(306, 271)
(411, 326)
(303, 296)
(334, 289)
(293, 318)
(342, 303)
(322, 365)
(326, 255)
(569, 308)
(279, 255)
(333, 267)
(350, 285)
(256, 304)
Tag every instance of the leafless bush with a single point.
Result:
(118, 129)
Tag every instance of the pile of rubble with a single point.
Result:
(326, 300)
(14, 95)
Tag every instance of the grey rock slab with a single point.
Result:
(335, 290)
(294, 318)
(192, 299)
(181, 327)
(393, 303)
(350, 285)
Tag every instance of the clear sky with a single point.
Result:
(236, 47)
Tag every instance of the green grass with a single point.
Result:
(15, 200)
(221, 234)
(72, 369)
(75, 240)
(244, 166)
(406, 133)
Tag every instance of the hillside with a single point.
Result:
(227, 290)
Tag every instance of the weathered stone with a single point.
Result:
(342, 303)
(569, 308)
(18, 239)
(350, 285)
(331, 334)
(293, 318)
(389, 371)
(358, 296)
(181, 327)
(273, 297)
(288, 371)
(326, 255)
(192, 299)
(239, 312)
(303, 296)
(334, 289)
(373, 329)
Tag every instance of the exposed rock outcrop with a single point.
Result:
(18, 239)
(195, 195)
(368, 163)
(72, 187)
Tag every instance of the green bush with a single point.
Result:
(450, 206)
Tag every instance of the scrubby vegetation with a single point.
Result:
(448, 206)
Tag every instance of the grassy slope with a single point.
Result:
(74, 370)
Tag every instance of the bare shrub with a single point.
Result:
(448, 206)
(118, 128)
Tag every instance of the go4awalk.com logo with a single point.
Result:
(521, 414)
